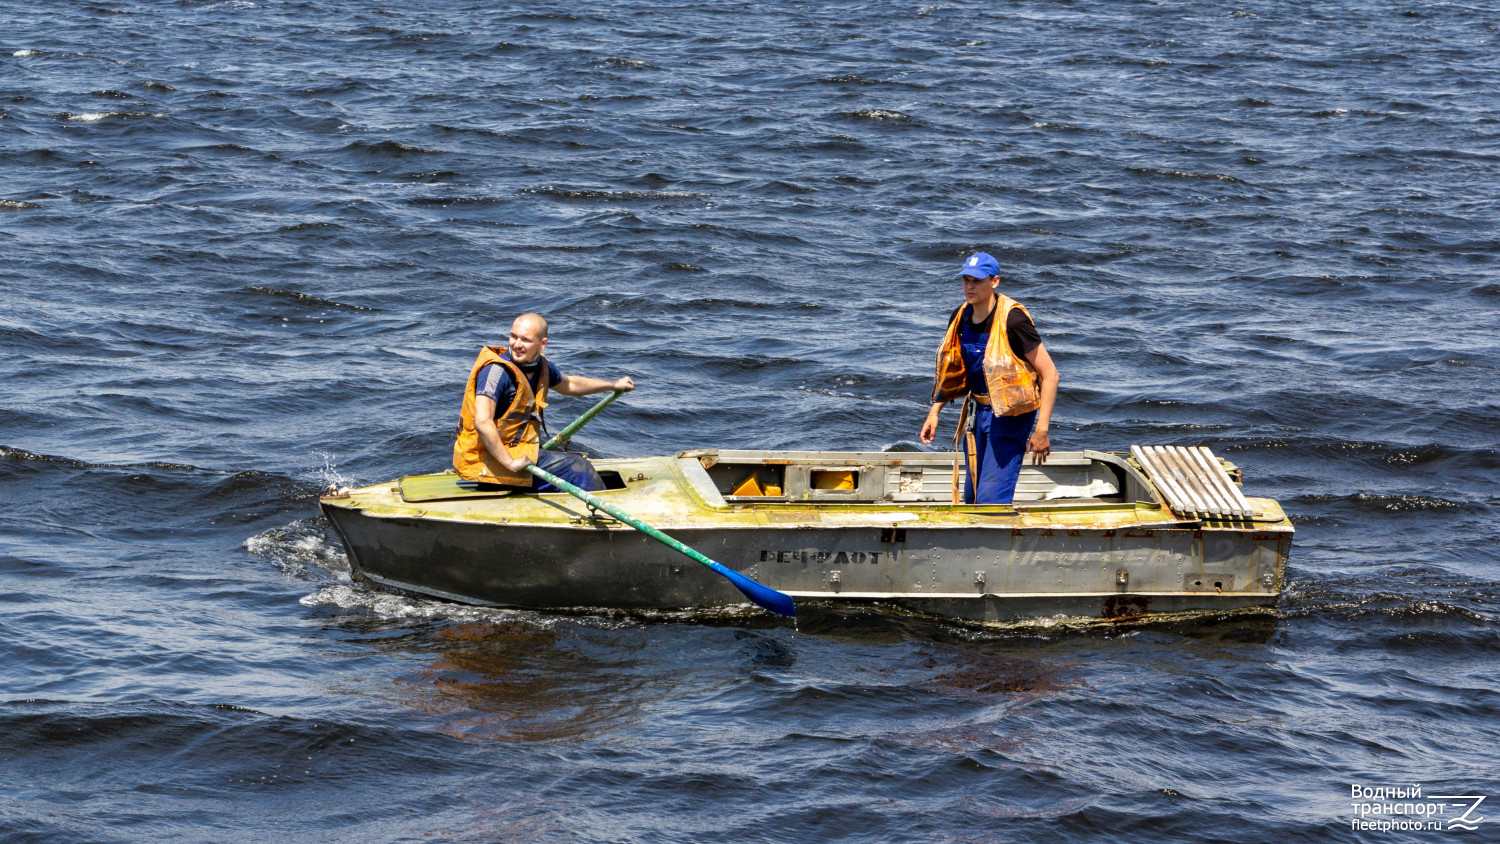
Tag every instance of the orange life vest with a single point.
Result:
(1010, 379)
(520, 425)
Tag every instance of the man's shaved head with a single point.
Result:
(528, 337)
(535, 322)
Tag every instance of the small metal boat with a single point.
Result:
(1090, 535)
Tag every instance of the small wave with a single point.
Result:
(111, 94)
(1376, 501)
(96, 116)
(1186, 174)
(348, 597)
(1389, 454)
(305, 298)
(387, 148)
(1059, 127)
(26, 54)
(431, 177)
(445, 201)
(300, 549)
(158, 86)
(1315, 601)
(146, 469)
(881, 114)
(623, 62)
(611, 195)
(17, 205)
(21, 455)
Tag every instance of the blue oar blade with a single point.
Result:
(763, 596)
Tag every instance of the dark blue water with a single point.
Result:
(251, 248)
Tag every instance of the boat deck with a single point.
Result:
(1074, 490)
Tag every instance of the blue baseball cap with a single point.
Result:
(980, 265)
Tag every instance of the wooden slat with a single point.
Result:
(1166, 482)
(1208, 476)
(1168, 495)
(1232, 492)
(1192, 476)
(1177, 492)
(1192, 480)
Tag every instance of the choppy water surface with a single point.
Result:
(251, 247)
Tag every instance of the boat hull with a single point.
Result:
(1001, 569)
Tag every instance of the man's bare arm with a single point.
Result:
(1041, 445)
(484, 424)
(930, 424)
(578, 385)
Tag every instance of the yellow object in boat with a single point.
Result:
(833, 479)
(751, 485)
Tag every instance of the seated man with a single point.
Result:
(500, 425)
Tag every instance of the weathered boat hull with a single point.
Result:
(974, 563)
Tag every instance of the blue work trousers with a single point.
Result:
(573, 468)
(999, 449)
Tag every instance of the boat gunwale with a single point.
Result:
(699, 512)
(594, 523)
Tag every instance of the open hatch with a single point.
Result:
(844, 477)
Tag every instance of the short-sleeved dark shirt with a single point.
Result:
(495, 381)
(972, 339)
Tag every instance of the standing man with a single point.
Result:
(500, 425)
(1006, 378)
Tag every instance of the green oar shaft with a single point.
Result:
(611, 509)
(763, 596)
(566, 433)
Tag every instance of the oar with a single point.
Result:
(567, 433)
(764, 596)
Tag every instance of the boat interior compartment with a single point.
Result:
(905, 477)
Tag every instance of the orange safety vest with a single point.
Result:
(520, 425)
(1010, 379)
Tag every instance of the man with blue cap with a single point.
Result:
(993, 358)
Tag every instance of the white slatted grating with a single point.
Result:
(1192, 481)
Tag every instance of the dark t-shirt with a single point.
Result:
(495, 382)
(972, 339)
